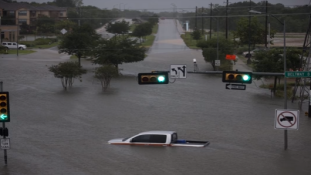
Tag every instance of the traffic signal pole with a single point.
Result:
(3, 126)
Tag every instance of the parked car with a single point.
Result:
(14, 45)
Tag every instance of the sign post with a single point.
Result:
(3, 125)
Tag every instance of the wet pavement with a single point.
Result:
(66, 132)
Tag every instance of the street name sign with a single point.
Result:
(286, 119)
(297, 74)
(236, 86)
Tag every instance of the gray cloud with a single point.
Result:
(165, 5)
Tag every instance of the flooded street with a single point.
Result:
(56, 132)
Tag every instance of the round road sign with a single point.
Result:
(287, 119)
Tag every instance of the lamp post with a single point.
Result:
(285, 80)
(267, 26)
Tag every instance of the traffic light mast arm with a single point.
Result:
(254, 73)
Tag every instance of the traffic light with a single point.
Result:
(237, 77)
(153, 78)
(4, 107)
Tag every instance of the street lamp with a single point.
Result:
(284, 60)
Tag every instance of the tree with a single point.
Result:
(142, 30)
(45, 25)
(196, 34)
(272, 61)
(67, 71)
(253, 33)
(115, 52)
(65, 24)
(105, 74)
(209, 51)
(66, 3)
(118, 27)
(152, 19)
(80, 42)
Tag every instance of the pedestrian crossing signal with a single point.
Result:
(237, 77)
(153, 78)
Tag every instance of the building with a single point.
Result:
(13, 15)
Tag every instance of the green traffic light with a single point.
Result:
(161, 78)
(246, 77)
(3, 117)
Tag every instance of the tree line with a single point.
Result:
(83, 41)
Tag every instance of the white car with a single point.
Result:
(14, 45)
(253, 52)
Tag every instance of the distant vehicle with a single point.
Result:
(253, 52)
(162, 18)
(157, 138)
(14, 45)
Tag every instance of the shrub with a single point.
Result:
(42, 41)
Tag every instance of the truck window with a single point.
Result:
(141, 138)
(158, 139)
(174, 137)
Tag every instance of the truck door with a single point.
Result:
(174, 138)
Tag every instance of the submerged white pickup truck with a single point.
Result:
(157, 138)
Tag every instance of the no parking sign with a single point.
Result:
(286, 119)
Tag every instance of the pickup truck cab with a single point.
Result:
(157, 138)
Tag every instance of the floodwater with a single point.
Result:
(66, 132)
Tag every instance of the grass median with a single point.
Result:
(22, 52)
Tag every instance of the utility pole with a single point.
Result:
(266, 28)
(79, 11)
(202, 22)
(196, 15)
(249, 33)
(227, 19)
(210, 23)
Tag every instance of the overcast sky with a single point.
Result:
(167, 5)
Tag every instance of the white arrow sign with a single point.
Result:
(236, 86)
(178, 71)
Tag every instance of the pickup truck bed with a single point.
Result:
(190, 143)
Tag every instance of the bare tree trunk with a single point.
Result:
(274, 88)
(64, 83)
(105, 83)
